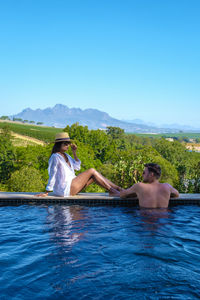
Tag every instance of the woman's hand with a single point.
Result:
(42, 194)
(73, 147)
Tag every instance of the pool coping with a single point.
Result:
(20, 198)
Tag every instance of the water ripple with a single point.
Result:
(74, 252)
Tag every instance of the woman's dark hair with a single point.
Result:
(154, 168)
(56, 148)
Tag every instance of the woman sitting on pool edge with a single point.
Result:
(62, 179)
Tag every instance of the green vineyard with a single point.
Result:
(46, 134)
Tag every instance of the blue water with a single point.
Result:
(74, 252)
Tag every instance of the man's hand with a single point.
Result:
(174, 193)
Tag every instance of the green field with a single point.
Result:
(46, 134)
(190, 135)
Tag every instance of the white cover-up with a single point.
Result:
(61, 174)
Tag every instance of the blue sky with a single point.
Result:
(130, 58)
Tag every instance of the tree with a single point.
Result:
(99, 142)
(197, 140)
(118, 156)
(128, 169)
(27, 179)
(17, 119)
(34, 156)
(87, 156)
(78, 132)
(95, 139)
(4, 118)
(117, 136)
(115, 132)
(174, 152)
(7, 155)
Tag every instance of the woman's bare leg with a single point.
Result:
(90, 181)
(84, 179)
(116, 187)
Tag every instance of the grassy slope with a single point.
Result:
(46, 134)
(23, 140)
(167, 135)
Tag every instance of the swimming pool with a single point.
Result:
(76, 252)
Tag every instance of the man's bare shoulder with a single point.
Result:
(166, 186)
(139, 185)
(135, 187)
(174, 193)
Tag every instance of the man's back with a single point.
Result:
(153, 195)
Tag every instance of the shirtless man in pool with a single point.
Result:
(151, 193)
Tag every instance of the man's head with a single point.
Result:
(151, 172)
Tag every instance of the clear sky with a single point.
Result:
(129, 58)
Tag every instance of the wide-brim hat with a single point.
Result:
(62, 137)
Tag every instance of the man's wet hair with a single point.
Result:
(155, 169)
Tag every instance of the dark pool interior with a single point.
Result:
(83, 252)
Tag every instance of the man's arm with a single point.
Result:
(174, 193)
(132, 191)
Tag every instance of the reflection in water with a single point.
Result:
(61, 221)
(99, 253)
(154, 219)
(151, 238)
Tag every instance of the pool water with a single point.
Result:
(76, 252)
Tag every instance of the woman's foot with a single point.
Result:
(119, 189)
(114, 193)
(116, 187)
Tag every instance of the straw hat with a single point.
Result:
(62, 137)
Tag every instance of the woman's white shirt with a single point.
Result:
(61, 174)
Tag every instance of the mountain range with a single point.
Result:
(174, 126)
(61, 115)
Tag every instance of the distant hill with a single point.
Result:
(60, 115)
(170, 127)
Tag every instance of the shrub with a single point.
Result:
(3, 188)
(7, 155)
(27, 179)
